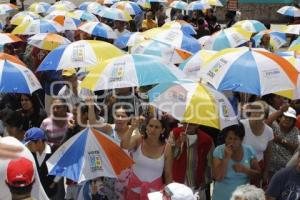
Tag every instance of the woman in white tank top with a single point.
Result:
(152, 159)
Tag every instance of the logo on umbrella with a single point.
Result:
(222, 62)
(95, 161)
(78, 53)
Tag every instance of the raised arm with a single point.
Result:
(128, 141)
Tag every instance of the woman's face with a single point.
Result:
(257, 114)
(58, 108)
(286, 122)
(121, 118)
(154, 128)
(233, 140)
(26, 103)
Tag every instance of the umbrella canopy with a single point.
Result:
(98, 29)
(253, 26)
(198, 5)
(38, 26)
(129, 39)
(185, 27)
(254, 71)
(130, 71)
(289, 11)
(66, 3)
(16, 77)
(144, 4)
(181, 5)
(24, 17)
(174, 37)
(193, 103)
(277, 39)
(115, 14)
(79, 54)
(295, 46)
(107, 2)
(227, 38)
(39, 7)
(6, 38)
(292, 29)
(88, 155)
(47, 41)
(213, 2)
(6, 8)
(166, 52)
(66, 19)
(92, 7)
(131, 7)
(61, 7)
(192, 65)
(85, 15)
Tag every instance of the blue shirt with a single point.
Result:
(223, 189)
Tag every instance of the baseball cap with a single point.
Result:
(68, 72)
(34, 134)
(20, 172)
(174, 191)
(291, 112)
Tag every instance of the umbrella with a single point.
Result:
(130, 71)
(289, 11)
(166, 52)
(144, 4)
(195, 103)
(6, 8)
(38, 26)
(213, 2)
(277, 39)
(6, 38)
(158, 1)
(131, 7)
(228, 38)
(295, 46)
(292, 29)
(66, 19)
(182, 25)
(192, 65)
(85, 15)
(129, 39)
(92, 7)
(88, 155)
(198, 5)
(39, 7)
(24, 17)
(254, 71)
(79, 54)
(181, 5)
(253, 26)
(61, 7)
(107, 2)
(16, 77)
(115, 14)
(68, 4)
(98, 29)
(47, 41)
(174, 37)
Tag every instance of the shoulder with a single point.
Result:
(219, 151)
(204, 137)
(46, 121)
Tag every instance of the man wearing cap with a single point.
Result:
(285, 140)
(20, 178)
(35, 139)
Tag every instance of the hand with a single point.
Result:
(136, 121)
(9, 151)
(239, 168)
(277, 139)
(228, 151)
(111, 101)
(284, 107)
(71, 123)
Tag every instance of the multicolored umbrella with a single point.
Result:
(38, 26)
(85, 15)
(277, 39)
(39, 7)
(66, 19)
(92, 7)
(24, 17)
(182, 25)
(144, 4)
(115, 14)
(198, 5)
(107, 2)
(228, 38)
(16, 77)
(6, 38)
(131, 7)
(164, 51)
(47, 41)
(292, 29)
(6, 8)
(289, 11)
(181, 5)
(254, 71)
(79, 54)
(174, 37)
(88, 155)
(129, 39)
(59, 7)
(253, 26)
(193, 103)
(192, 65)
(98, 29)
(213, 2)
(295, 46)
(68, 4)
(130, 71)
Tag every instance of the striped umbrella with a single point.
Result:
(24, 17)
(277, 39)
(130, 71)
(79, 54)
(253, 26)
(92, 7)
(292, 29)
(129, 39)
(181, 5)
(254, 71)
(16, 77)
(131, 7)
(289, 11)
(144, 4)
(198, 5)
(295, 46)
(85, 15)
(88, 155)
(68, 4)
(182, 25)
(213, 2)
(6, 8)
(115, 14)
(194, 103)
(39, 7)
(59, 7)
(38, 26)
(66, 19)
(98, 29)
(6, 38)
(47, 41)
(107, 2)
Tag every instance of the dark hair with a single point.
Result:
(14, 119)
(20, 190)
(237, 129)
(164, 125)
(64, 102)
(36, 104)
(126, 108)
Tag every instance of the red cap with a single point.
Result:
(20, 172)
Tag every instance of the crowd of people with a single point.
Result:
(256, 159)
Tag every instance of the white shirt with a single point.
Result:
(258, 143)
(118, 33)
(41, 157)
